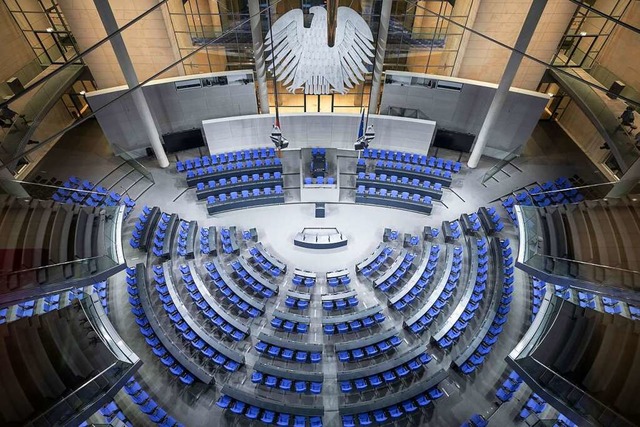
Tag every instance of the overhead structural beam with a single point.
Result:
(258, 55)
(381, 48)
(129, 72)
(500, 95)
(332, 21)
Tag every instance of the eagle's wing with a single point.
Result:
(354, 44)
(286, 40)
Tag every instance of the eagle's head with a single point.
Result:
(317, 10)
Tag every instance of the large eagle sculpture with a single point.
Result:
(304, 59)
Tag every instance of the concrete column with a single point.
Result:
(528, 28)
(628, 181)
(124, 60)
(258, 55)
(381, 48)
(9, 184)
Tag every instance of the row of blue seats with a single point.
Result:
(477, 358)
(611, 305)
(286, 384)
(110, 411)
(149, 334)
(375, 264)
(205, 249)
(447, 292)
(339, 280)
(508, 387)
(25, 309)
(303, 281)
(392, 412)
(91, 195)
(234, 180)
(371, 176)
(160, 234)
(340, 304)
(495, 218)
(319, 180)
(264, 263)
(52, 302)
(216, 319)
(239, 166)
(289, 326)
(139, 226)
(369, 351)
(228, 293)
(475, 221)
(183, 232)
(233, 156)
(537, 197)
(354, 325)
(225, 238)
(148, 406)
(421, 284)
(476, 420)
(372, 191)
(587, 300)
(563, 421)
(265, 415)
(535, 404)
(387, 377)
(467, 315)
(561, 191)
(425, 170)
(538, 290)
(399, 273)
(248, 280)
(456, 230)
(244, 194)
(181, 327)
(288, 354)
(296, 303)
(99, 289)
(416, 159)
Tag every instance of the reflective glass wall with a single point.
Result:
(422, 38)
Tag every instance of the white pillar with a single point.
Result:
(9, 184)
(381, 47)
(124, 60)
(258, 55)
(628, 181)
(499, 98)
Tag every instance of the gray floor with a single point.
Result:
(549, 154)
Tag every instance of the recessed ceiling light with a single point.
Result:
(583, 33)
(49, 30)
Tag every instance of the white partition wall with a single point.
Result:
(307, 130)
(177, 104)
(461, 105)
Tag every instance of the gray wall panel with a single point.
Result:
(464, 110)
(173, 110)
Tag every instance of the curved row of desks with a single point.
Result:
(468, 291)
